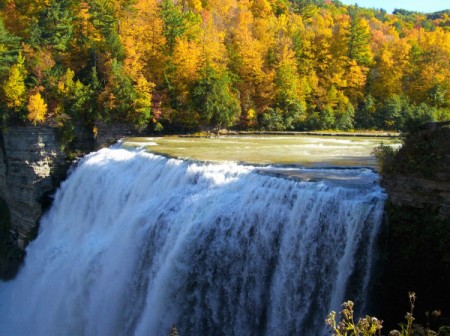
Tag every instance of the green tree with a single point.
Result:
(338, 112)
(123, 100)
(288, 97)
(215, 100)
(366, 113)
(53, 25)
(308, 8)
(76, 98)
(104, 17)
(173, 23)
(394, 112)
(9, 49)
(358, 35)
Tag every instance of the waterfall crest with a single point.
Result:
(136, 242)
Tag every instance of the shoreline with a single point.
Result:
(367, 134)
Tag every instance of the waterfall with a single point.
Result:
(135, 243)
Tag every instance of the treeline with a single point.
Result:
(249, 64)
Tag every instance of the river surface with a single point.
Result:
(317, 151)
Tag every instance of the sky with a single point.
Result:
(426, 6)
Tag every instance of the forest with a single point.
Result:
(180, 65)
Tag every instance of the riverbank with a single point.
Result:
(363, 133)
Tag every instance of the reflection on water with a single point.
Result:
(318, 151)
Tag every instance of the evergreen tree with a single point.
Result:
(9, 49)
(358, 36)
(106, 21)
(173, 22)
(53, 26)
(214, 99)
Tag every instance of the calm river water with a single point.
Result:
(301, 150)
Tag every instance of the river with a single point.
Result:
(303, 150)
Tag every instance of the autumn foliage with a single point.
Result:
(248, 64)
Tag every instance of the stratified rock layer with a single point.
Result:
(30, 163)
(420, 175)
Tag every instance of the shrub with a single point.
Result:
(366, 326)
(371, 326)
(385, 156)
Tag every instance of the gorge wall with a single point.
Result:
(419, 175)
(32, 165)
(417, 239)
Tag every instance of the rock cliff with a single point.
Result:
(31, 166)
(417, 238)
(419, 175)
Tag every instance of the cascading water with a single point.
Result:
(135, 243)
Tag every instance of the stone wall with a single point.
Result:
(31, 163)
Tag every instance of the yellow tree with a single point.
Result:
(85, 38)
(187, 59)
(429, 67)
(143, 101)
(248, 56)
(385, 78)
(339, 50)
(351, 56)
(261, 9)
(305, 50)
(224, 9)
(141, 32)
(289, 88)
(323, 68)
(211, 41)
(14, 87)
(37, 108)
(356, 79)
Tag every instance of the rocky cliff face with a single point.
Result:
(421, 193)
(417, 238)
(2, 167)
(31, 165)
(419, 175)
(106, 134)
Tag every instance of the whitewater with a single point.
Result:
(135, 243)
